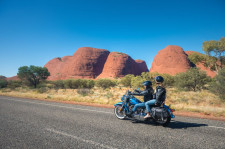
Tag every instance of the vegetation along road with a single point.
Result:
(27, 123)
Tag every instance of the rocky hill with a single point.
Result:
(91, 63)
(173, 60)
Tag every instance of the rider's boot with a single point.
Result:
(129, 114)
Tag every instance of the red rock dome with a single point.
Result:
(171, 60)
(141, 66)
(91, 63)
(85, 63)
(118, 65)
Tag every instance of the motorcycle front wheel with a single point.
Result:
(119, 114)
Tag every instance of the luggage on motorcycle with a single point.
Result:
(159, 113)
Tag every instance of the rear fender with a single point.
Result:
(168, 109)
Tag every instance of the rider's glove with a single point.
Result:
(137, 91)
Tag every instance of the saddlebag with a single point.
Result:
(159, 113)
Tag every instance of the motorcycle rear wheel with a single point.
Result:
(164, 122)
(120, 115)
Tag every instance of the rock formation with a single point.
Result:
(141, 66)
(201, 65)
(120, 64)
(14, 78)
(171, 60)
(86, 63)
(91, 63)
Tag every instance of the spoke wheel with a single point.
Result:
(120, 115)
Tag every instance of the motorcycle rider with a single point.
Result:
(160, 96)
(147, 93)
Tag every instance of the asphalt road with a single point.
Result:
(26, 123)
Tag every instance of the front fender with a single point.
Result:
(119, 103)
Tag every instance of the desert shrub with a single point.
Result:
(90, 84)
(218, 85)
(146, 76)
(3, 83)
(105, 83)
(193, 79)
(126, 80)
(42, 89)
(59, 84)
(68, 83)
(84, 91)
(168, 80)
(137, 81)
(78, 83)
(14, 84)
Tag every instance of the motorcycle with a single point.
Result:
(160, 114)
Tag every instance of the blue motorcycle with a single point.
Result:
(160, 114)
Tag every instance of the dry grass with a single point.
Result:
(200, 102)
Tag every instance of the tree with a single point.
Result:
(218, 86)
(33, 74)
(193, 79)
(196, 58)
(216, 52)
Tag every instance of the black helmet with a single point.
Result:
(159, 79)
(147, 83)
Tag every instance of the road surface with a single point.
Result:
(27, 123)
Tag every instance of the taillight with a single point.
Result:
(172, 110)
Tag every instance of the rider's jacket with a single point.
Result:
(160, 95)
(147, 93)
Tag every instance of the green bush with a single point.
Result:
(14, 84)
(146, 76)
(126, 80)
(168, 80)
(77, 83)
(191, 80)
(137, 81)
(105, 83)
(68, 83)
(59, 84)
(218, 85)
(3, 83)
(90, 84)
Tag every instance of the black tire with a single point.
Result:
(119, 115)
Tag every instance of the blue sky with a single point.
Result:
(32, 32)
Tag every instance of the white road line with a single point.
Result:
(60, 106)
(80, 139)
(216, 127)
